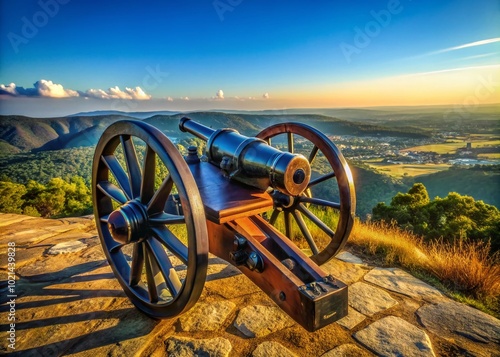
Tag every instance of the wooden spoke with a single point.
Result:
(274, 216)
(163, 265)
(288, 225)
(134, 170)
(166, 218)
(137, 264)
(116, 247)
(316, 220)
(171, 242)
(150, 276)
(290, 142)
(121, 177)
(313, 154)
(112, 191)
(148, 175)
(321, 179)
(320, 202)
(158, 200)
(305, 231)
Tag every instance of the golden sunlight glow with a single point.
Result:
(469, 85)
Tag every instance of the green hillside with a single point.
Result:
(480, 182)
(27, 133)
(41, 134)
(371, 187)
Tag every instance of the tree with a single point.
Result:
(11, 197)
(454, 217)
(78, 198)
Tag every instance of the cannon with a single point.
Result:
(276, 206)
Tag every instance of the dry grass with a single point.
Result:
(464, 268)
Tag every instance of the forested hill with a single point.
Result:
(21, 134)
(480, 182)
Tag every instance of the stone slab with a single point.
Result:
(393, 336)
(369, 299)
(345, 272)
(352, 319)
(347, 350)
(206, 316)
(399, 281)
(272, 349)
(260, 321)
(67, 247)
(186, 347)
(348, 257)
(462, 324)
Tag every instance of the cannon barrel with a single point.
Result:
(251, 160)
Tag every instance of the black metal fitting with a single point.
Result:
(239, 256)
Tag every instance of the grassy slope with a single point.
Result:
(466, 272)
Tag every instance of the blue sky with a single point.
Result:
(68, 55)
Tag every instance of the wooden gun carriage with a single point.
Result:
(159, 214)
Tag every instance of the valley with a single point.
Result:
(388, 150)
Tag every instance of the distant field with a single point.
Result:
(451, 146)
(411, 170)
(446, 148)
(489, 156)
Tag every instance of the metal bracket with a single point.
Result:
(240, 256)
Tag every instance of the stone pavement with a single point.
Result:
(68, 303)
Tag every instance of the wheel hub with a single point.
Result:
(128, 223)
(282, 202)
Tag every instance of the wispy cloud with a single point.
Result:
(467, 45)
(478, 56)
(451, 70)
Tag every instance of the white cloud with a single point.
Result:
(49, 89)
(8, 89)
(265, 95)
(184, 98)
(41, 88)
(116, 93)
(219, 94)
(170, 99)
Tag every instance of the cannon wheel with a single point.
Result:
(337, 173)
(162, 272)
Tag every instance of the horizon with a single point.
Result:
(282, 111)
(59, 57)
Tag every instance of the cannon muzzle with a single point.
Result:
(251, 160)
